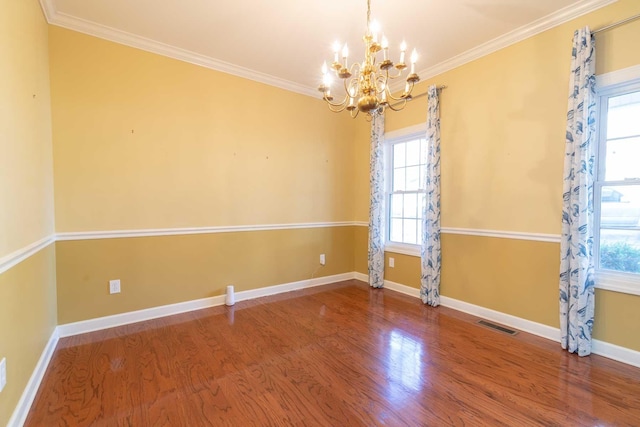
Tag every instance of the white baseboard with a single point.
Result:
(19, 415)
(403, 289)
(293, 286)
(360, 276)
(519, 323)
(615, 352)
(99, 323)
(601, 348)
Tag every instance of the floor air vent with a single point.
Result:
(497, 327)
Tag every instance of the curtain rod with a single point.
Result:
(617, 24)
(420, 95)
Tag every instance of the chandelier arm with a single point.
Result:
(402, 104)
(341, 104)
(337, 110)
(400, 98)
(396, 76)
(381, 80)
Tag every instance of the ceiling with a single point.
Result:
(284, 42)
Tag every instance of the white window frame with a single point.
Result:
(391, 138)
(609, 85)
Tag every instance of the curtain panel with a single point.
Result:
(376, 203)
(430, 252)
(577, 295)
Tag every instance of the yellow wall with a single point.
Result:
(163, 270)
(27, 290)
(145, 141)
(503, 125)
(27, 320)
(142, 141)
(26, 197)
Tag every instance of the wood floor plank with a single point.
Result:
(341, 355)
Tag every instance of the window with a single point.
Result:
(406, 157)
(617, 189)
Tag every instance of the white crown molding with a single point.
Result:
(108, 33)
(14, 258)
(91, 325)
(115, 234)
(21, 411)
(559, 17)
(49, 9)
(601, 348)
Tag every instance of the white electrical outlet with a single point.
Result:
(323, 260)
(114, 286)
(392, 262)
(3, 373)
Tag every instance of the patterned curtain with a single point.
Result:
(430, 251)
(376, 206)
(577, 301)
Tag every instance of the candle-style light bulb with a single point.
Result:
(345, 54)
(374, 29)
(385, 47)
(324, 68)
(336, 51)
(414, 58)
(403, 48)
(326, 79)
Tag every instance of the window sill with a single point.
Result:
(627, 283)
(402, 248)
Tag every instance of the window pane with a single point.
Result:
(423, 151)
(399, 155)
(413, 178)
(422, 200)
(622, 116)
(623, 158)
(395, 234)
(620, 250)
(410, 231)
(620, 206)
(422, 182)
(396, 205)
(419, 232)
(398, 179)
(413, 152)
(410, 206)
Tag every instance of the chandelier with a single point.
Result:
(366, 84)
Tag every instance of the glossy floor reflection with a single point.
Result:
(336, 355)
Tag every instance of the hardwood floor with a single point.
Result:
(336, 355)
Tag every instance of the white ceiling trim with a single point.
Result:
(91, 28)
(108, 33)
(536, 27)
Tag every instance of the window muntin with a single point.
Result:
(405, 189)
(618, 183)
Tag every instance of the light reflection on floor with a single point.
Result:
(404, 366)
